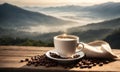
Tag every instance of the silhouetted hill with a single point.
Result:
(114, 39)
(109, 24)
(105, 10)
(13, 16)
(109, 8)
(95, 31)
(88, 32)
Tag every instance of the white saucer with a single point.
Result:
(64, 60)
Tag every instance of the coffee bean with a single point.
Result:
(94, 64)
(89, 66)
(80, 63)
(81, 66)
(84, 66)
(36, 65)
(76, 56)
(77, 65)
(21, 60)
(47, 65)
(29, 61)
(55, 55)
(26, 59)
(42, 60)
(58, 56)
(101, 64)
(87, 62)
(106, 62)
(28, 64)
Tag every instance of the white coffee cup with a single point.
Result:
(66, 45)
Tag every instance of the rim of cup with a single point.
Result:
(73, 37)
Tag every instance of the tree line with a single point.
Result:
(24, 42)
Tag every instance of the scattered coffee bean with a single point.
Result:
(84, 66)
(42, 60)
(77, 65)
(76, 56)
(101, 64)
(26, 59)
(94, 64)
(36, 65)
(47, 65)
(89, 66)
(21, 60)
(87, 62)
(58, 56)
(106, 62)
(28, 64)
(55, 55)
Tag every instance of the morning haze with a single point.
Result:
(33, 21)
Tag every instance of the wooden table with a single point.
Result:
(10, 57)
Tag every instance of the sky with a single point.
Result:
(55, 2)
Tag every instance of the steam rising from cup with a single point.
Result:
(64, 35)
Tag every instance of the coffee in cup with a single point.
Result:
(66, 45)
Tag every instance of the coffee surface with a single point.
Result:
(67, 37)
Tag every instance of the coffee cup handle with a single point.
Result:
(80, 43)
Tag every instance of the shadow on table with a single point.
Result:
(26, 68)
(29, 70)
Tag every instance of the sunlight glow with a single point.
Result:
(55, 2)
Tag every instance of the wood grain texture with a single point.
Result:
(10, 57)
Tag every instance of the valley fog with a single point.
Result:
(82, 19)
(81, 15)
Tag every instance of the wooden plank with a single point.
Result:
(11, 55)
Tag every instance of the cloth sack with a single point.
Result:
(99, 49)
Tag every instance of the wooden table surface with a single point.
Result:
(10, 57)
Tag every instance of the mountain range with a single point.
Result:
(108, 24)
(12, 18)
(95, 31)
(114, 39)
(106, 10)
(15, 17)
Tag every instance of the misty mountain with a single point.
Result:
(109, 24)
(104, 31)
(105, 10)
(109, 9)
(12, 16)
(114, 39)
(88, 32)
(95, 31)
(4, 32)
(66, 8)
